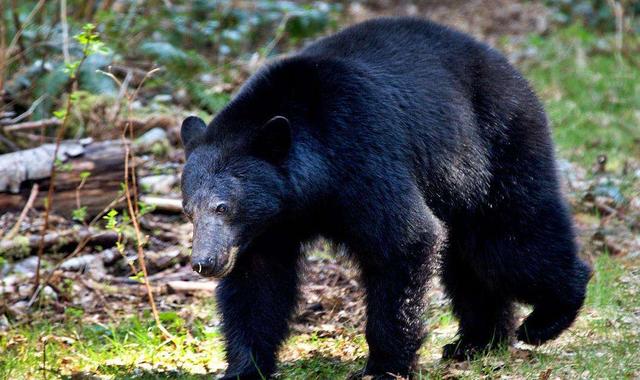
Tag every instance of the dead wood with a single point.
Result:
(103, 160)
(191, 286)
(66, 238)
(163, 204)
(29, 125)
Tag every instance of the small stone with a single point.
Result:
(19, 308)
(4, 323)
(158, 184)
(150, 137)
(207, 79)
(162, 98)
(26, 267)
(82, 263)
(182, 96)
(24, 290)
(110, 256)
(7, 283)
(49, 293)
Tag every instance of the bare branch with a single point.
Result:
(23, 214)
(27, 125)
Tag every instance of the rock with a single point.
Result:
(573, 176)
(150, 137)
(7, 283)
(137, 105)
(110, 256)
(158, 261)
(158, 184)
(26, 267)
(609, 188)
(207, 79)
(24, 290)
(162, 98)
(83, 263)
(49, 293)
(182, 97)
(4, 323)
(19, 308)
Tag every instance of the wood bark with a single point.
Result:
(70, 237)
(104, 161)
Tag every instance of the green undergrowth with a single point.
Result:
(592, 96)
(591, 93)
(603, 343)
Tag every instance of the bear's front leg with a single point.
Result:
(256, 301)
(396, 284)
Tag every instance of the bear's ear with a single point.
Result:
(272, 141)
(192, 128)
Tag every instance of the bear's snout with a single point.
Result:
(214, 252)
(216, 265)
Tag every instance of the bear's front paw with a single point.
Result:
(357, 375)
(361, 375)
(459, 351)
(242, 376)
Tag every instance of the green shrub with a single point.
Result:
(594, 14)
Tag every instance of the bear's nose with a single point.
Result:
(204, 267)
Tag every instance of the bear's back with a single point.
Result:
(457, 105)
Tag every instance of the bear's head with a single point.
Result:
(233, 186)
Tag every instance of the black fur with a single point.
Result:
(404, 141)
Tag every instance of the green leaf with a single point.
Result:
(79, 214)
(60, 114)
(139, 277)
(112, 222)
(61, 166)
(145, 208)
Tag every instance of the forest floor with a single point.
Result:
(94, 322)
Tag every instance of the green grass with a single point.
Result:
(130, 348)
(602, 344)
(591, 94)
(593, 101)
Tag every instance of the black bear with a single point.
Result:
(415, 147)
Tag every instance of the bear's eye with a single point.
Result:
(222, 209)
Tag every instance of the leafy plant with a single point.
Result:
(594, 14)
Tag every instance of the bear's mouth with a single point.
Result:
(216, 266)
(231, 260)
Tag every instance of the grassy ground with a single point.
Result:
(603, 344)
(592, 97)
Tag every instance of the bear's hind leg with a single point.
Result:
(555, 304)
(485, 316)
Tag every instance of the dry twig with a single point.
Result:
(26, 113)
(23, 214)
(52, 122)
(130, 190)
(49, 200)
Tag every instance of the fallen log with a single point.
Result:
(168, 205)
(22, 245)
(104, 161)
(28, 125)
(191, 286)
